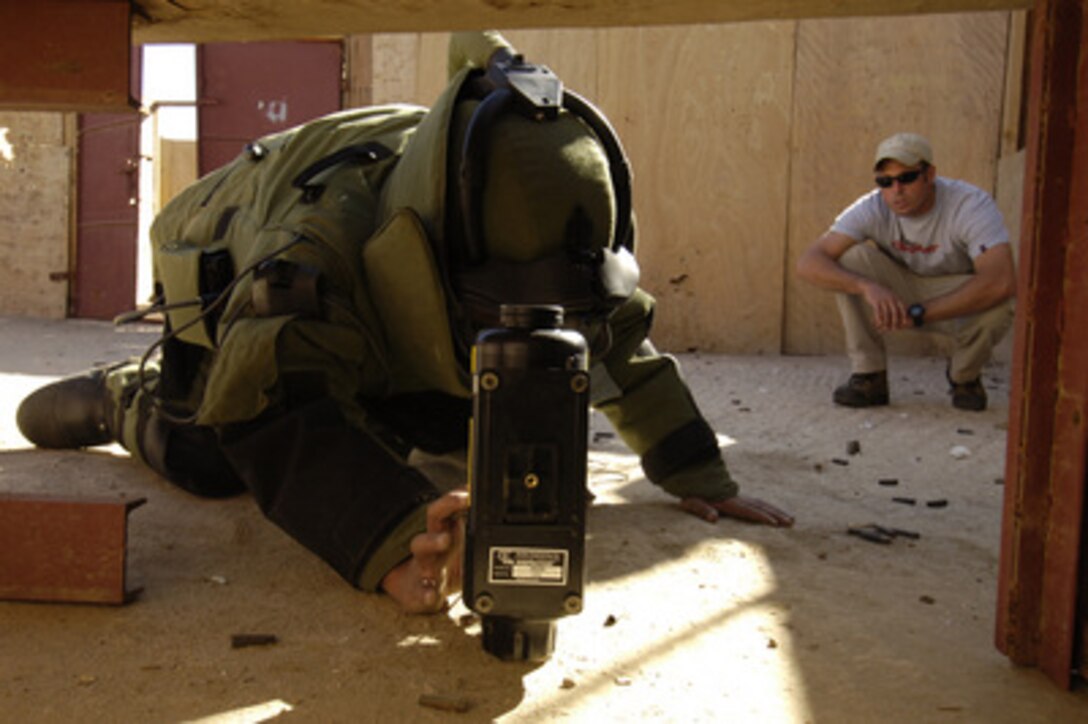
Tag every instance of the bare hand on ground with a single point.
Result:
(422, 583)
(749, 509)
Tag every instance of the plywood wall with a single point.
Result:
(747, 139)
(35, 186)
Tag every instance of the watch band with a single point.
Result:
(917, 313)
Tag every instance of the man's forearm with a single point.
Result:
(977, 294)
(817, 268)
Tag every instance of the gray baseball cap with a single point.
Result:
(909, 149)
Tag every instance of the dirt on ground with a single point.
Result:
(684, 621)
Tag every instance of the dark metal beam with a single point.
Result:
(71, 56)
(64, 549)
(1042, 533)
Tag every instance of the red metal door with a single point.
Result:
(107, 211)
(248, 90)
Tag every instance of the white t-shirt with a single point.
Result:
(963, 223)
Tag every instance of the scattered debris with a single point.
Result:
(610, 621)
(219, 580)
(840, 461)
(928, 600)
(567, 683)
(853, 447)
(603, 435)
(999, 481)
(445, 702)
(881, 534)
(623, 681)
(818, 467)
(869, 533)
(772, 644)
(86, 679)
(904, 501)
(678, 279)
(964, 431)
(939, 503)
(242, 640)
(888, 482)
(959, 452)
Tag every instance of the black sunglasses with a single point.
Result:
(907, 177)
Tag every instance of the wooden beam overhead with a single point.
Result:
(167, 21)
(71, 56)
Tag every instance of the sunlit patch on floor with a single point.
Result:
(247, 715)
(736, 663)
(418, 640)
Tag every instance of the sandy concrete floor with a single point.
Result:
(684, 621)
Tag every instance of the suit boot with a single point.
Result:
(71, 413)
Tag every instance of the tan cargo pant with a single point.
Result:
(974, 336)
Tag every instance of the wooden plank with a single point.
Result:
(942, 77)
(164, 21)
(704, 114)
(61, 55)
(359, 61)
(175, 169)
(1012, 117)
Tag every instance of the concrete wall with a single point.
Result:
(35, 192)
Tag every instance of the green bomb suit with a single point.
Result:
(330, 354)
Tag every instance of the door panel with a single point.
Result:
(107, 210)
(248, 90)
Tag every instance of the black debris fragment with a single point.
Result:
(840, 461)
(242, 640)
(853, 447)
(904, 501)
(939, 503)
(869, 533)
(881, 534)
(888, 482)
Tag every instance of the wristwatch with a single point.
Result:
(917, 313)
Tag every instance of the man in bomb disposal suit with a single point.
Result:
(322, 293)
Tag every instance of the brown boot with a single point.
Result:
(71, 413)
(868, 389)
(968, 395)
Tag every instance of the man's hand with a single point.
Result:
(422, 583)
(752, 510)
(889, 312)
